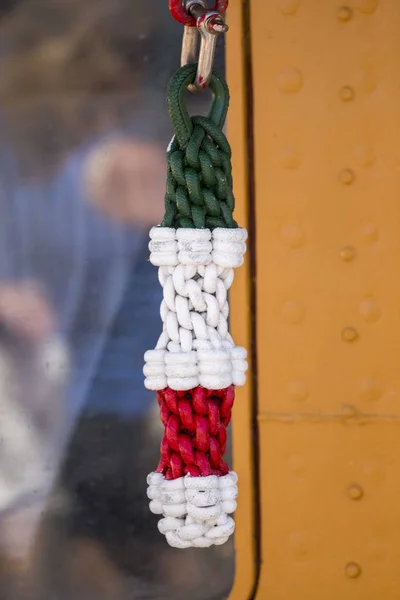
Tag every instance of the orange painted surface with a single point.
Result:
(243, 444)
(327, 201)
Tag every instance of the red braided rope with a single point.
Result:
(194, 440)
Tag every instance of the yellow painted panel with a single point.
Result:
(327, 204)
(330, 497)
(327, 166)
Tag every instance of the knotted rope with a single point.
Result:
(195, 436)
(196, 365)
(199, 182)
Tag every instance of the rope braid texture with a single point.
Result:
(195, 365)
(195, 431)
(199, 181)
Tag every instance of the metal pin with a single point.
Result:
(209, 24)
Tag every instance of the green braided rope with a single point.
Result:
(199, 181)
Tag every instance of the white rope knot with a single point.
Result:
(198, 349)
(229, 247)
(239, 365)
(181, 370)
(163, 246)
(154, 370)
(194, 246)
(215, 368)
(196, 510)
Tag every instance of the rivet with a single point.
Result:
(352, 570)
(348, 253)
(289, 158)
(349, 334)
(355, 491)
(346, 93)
(367, 6)
(370, 233)
(369, 310)
(365, 156)
(293, 235)
(290, 80)
(297, 391)
(346, 176)
(288, 7)
(371, 389)
(344, 13)
(293, 312)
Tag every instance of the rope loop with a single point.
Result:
(199, 182)
(176, 102)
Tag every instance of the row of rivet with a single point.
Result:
(343, 13)
(294, 312)
(352, 569)
(294, 237)
(370, 390)
(291, 80)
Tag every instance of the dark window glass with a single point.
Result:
(84, 128)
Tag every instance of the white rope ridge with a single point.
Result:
(225, 247)
(196, 272)
(195, 509)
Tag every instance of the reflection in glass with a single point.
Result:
(82, 176)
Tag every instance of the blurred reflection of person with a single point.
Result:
(81, 182)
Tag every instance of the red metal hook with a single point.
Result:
(182, 16)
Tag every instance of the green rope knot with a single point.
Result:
(199, 182)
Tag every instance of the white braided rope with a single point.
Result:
(196, 510)
(196, 272)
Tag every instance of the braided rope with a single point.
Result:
(195, 365)
(198, 300)
(195, 510)
(195, 437)
(192, 487)
(196, 272)
(199, 181)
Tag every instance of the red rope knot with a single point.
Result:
(194, 440)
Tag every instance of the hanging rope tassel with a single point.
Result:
(195, 365)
